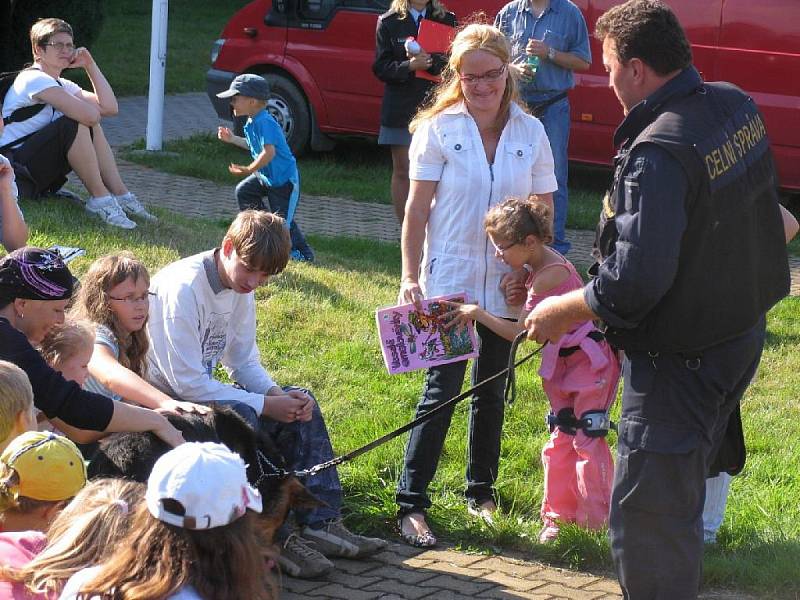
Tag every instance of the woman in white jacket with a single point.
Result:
(473, 147)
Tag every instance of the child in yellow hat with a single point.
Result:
(39, 473)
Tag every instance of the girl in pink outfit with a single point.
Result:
(579, 372)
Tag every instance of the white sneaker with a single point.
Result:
(108, 210)
(130, 204)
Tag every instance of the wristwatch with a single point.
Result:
(551, 54)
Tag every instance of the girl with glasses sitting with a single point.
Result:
(114, 296)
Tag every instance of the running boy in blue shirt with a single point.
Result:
(273, 172)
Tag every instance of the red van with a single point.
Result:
(317, 55)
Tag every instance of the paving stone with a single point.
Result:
(291, 596)
(607, 586)
(452, 569)
(450, 556)
(411, 575)
(468, 586)
(508, 581)
(501, 593)
(353, 581)
(410, 592)
(570, 578)
(560, 590)
(510, 567)
(301, 586)
(336, 590)
(356, 567)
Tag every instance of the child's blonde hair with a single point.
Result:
(64, 341)
(94, 304)
(81, 535)
(16, 395)
(261, 240)
(515, 218)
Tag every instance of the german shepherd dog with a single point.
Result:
(132, 455)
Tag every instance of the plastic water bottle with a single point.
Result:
(412, 46)
(533, 66)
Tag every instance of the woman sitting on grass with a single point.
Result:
(114, 296)
(53, 127)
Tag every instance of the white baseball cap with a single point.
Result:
(207, 479)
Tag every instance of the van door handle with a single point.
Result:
(250, 32)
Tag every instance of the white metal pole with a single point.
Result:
(158, 64)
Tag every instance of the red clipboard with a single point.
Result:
(434, 38)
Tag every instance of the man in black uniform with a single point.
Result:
(692, 256)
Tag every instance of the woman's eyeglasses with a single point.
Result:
(61, 46)
(489, 76)
(133, 299)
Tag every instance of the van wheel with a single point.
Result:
(289, 108)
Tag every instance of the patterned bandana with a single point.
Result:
(34, 274)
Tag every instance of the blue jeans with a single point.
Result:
(426, 440)
(250, 193)
(312, 445)
(556, 125)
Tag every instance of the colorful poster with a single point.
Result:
(412, 339)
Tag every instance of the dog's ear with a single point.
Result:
(233, 430)
(300, 497)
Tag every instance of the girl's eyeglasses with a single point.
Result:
(133, 299)
(489, 76)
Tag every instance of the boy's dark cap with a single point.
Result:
(247, 84)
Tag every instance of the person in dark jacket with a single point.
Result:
(404, 91)
(35, 287)
(691, 221)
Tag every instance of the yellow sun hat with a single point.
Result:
(50, 467)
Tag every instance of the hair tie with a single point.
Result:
(123, 506)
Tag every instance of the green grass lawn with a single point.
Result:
(123, 48)
(316, 328)
(357, 169)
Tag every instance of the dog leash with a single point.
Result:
(338, 460)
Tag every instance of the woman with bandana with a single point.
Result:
(35, 287)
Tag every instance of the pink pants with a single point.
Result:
(579, 470)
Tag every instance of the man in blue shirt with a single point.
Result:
(273, 172)
(555, 32)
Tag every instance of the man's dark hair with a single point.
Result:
(647, 30)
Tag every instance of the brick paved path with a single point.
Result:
(400, 571)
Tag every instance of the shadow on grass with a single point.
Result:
(778, 340)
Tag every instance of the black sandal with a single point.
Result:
(424, 540)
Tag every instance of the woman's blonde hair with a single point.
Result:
(16, 395)
(94, 304)
(514, 219)
(476, 36)
(155, 560)
(402, 8)
(81, 535)
(64, 341)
